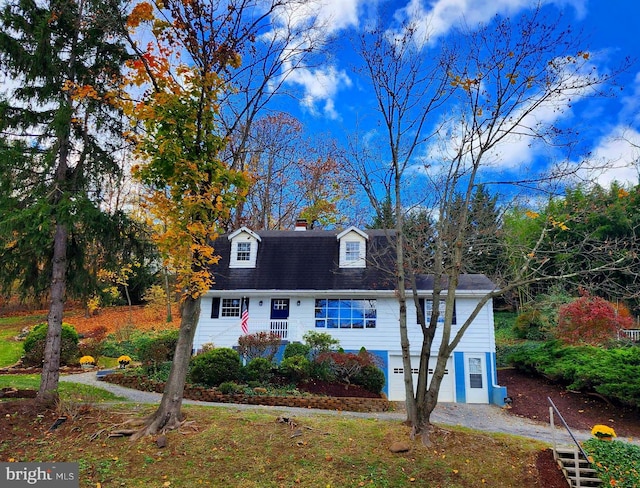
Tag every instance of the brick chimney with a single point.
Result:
(301, 225)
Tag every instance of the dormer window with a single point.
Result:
(244, 251)
(353, 248)
(244, 248)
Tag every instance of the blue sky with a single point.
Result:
(332, 94)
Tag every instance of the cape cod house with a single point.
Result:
(291, 282)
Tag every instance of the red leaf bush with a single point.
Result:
(591, 320)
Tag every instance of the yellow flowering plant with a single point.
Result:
(87, 360)
(602, 431)
(124, 360)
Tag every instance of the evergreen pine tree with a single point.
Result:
(62, 61)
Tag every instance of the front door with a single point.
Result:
(280, 317)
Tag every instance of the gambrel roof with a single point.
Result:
(309, 260)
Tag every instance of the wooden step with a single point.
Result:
(580, 476)
(583, 471)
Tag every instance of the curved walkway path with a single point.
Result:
(487, 418)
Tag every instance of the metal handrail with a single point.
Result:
(568, 430)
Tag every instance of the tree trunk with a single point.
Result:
(168, 293)
(169, 414)
(48, 392)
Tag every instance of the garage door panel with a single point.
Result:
(396, 378)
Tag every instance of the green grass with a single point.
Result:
(250, 449)
(10, 350)
(67, 391)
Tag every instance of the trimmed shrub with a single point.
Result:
(259, 370)
(296, 349)
(259, 345)
(215, 367)
(35, 342)
(295, 368)
(320, 342)
(370, 377)
(345, 365)
(229, 388)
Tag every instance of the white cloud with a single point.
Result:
(615, 158)
(323, 18)
(630, 113)
(439, 17)
(332, 15)
(519, 133)
(320, 87)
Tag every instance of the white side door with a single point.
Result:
(475, 372)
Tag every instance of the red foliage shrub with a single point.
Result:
(346, 365)
(590, 320)
(259, 345)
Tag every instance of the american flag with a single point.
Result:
(244, 320)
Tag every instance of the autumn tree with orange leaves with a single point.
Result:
(177, 144)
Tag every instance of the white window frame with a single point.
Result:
(442, 305)
(243, 251)
(230, 307)
(352, 251)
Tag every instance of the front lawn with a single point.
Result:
(251, 449)
(68, 391)
(10, 349)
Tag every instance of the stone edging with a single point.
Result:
(351, 404)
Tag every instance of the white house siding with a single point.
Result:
(384, 339)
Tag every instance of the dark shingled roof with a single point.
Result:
(308, 260)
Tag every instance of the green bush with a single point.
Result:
(113, 348)
(530, 325)
(370, 377)
(612, 373)
(321, 370)
(115, 345)
(160, 372)
(229, 388)
(215, 367)
(616, 463)
(504, 351)
(259, 370)
(295, 368)
(155, 350)
(35, 342)
(504, 320)
(296, 349)
(320, 342)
